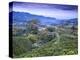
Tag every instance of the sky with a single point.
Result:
(48, 10)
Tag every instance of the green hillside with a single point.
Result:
(51, 41)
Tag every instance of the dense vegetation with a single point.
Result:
(37, 40)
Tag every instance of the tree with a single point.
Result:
(33, 38)
(50, 29)
(21, 45)
(32, 26)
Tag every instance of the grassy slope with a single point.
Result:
(66, 46)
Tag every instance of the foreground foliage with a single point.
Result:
(46, 42)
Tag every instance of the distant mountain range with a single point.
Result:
(22, 17)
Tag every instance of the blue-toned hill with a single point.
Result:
(22, 17)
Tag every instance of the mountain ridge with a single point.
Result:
(24, 17)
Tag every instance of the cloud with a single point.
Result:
(47, 10)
